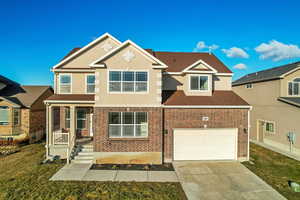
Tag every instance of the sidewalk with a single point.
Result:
(82, 172)
(288, 154)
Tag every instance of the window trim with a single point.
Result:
(249, 84)
(71, 83)
(134, 125)
(199, 75)
(293, 95)
(86, 84)
(265, 126)
(86, 119)
(121, 92)
(8, 117)
(19, 117)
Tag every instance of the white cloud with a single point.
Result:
(235, 52)
(201, 45)
(240, 66)
(277, 51)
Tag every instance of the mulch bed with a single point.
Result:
(163, 167)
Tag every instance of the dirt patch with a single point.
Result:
(163, 167)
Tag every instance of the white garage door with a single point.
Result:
(205, 144)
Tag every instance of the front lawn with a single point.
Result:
(23, 177)
(275, 169)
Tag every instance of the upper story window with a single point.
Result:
(294, 87)
(128, 81)
(65, 83)
(249, 86)
(199, 83)
(90, 84)
(4, 115)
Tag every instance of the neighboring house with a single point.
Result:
(22, 111)
(145, 106)
(275, 97)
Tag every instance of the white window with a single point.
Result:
(90, 84)
(65, 83)
(128, 81)
(249, 86)
(293, 87)
(198, 83)
(4, 115)
(128, 124)
(269, 127)
(16, 117)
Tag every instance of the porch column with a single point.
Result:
(48, 128)
(72, 120)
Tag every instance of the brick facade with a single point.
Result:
(218, 118)
(102, 142)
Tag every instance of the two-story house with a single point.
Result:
(145, 106)
(275, 97)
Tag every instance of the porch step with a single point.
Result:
(82, 161)
(85, 153)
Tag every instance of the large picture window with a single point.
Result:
(198, 83)
(128, 124)
(65, 83)
(90, 84)
(4, 115)
(128, 81)
(293, 87)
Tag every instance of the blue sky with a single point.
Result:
(35, 35)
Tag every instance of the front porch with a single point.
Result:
(69, 131)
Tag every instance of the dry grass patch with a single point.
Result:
(23, 177)
(275, 169)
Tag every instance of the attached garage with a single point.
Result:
(205, 144)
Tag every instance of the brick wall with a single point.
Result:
(37, 125)
(218, 118)
(102, 142)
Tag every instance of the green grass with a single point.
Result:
(23, 177)
(275, 169)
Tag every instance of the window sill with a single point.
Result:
(128, 138)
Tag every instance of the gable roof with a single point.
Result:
(24, 95)
(268, 74)
(77, 51)
(97, 63)
(178, 61)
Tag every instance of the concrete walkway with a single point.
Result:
(82, 172)
(222, 180)
(286, 153)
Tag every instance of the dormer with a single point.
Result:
(197, 74)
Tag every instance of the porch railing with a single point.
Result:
(60, 137)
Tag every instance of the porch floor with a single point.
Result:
(82, 172)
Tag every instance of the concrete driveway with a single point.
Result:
(222, 180)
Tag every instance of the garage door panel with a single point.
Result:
(205, 144)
